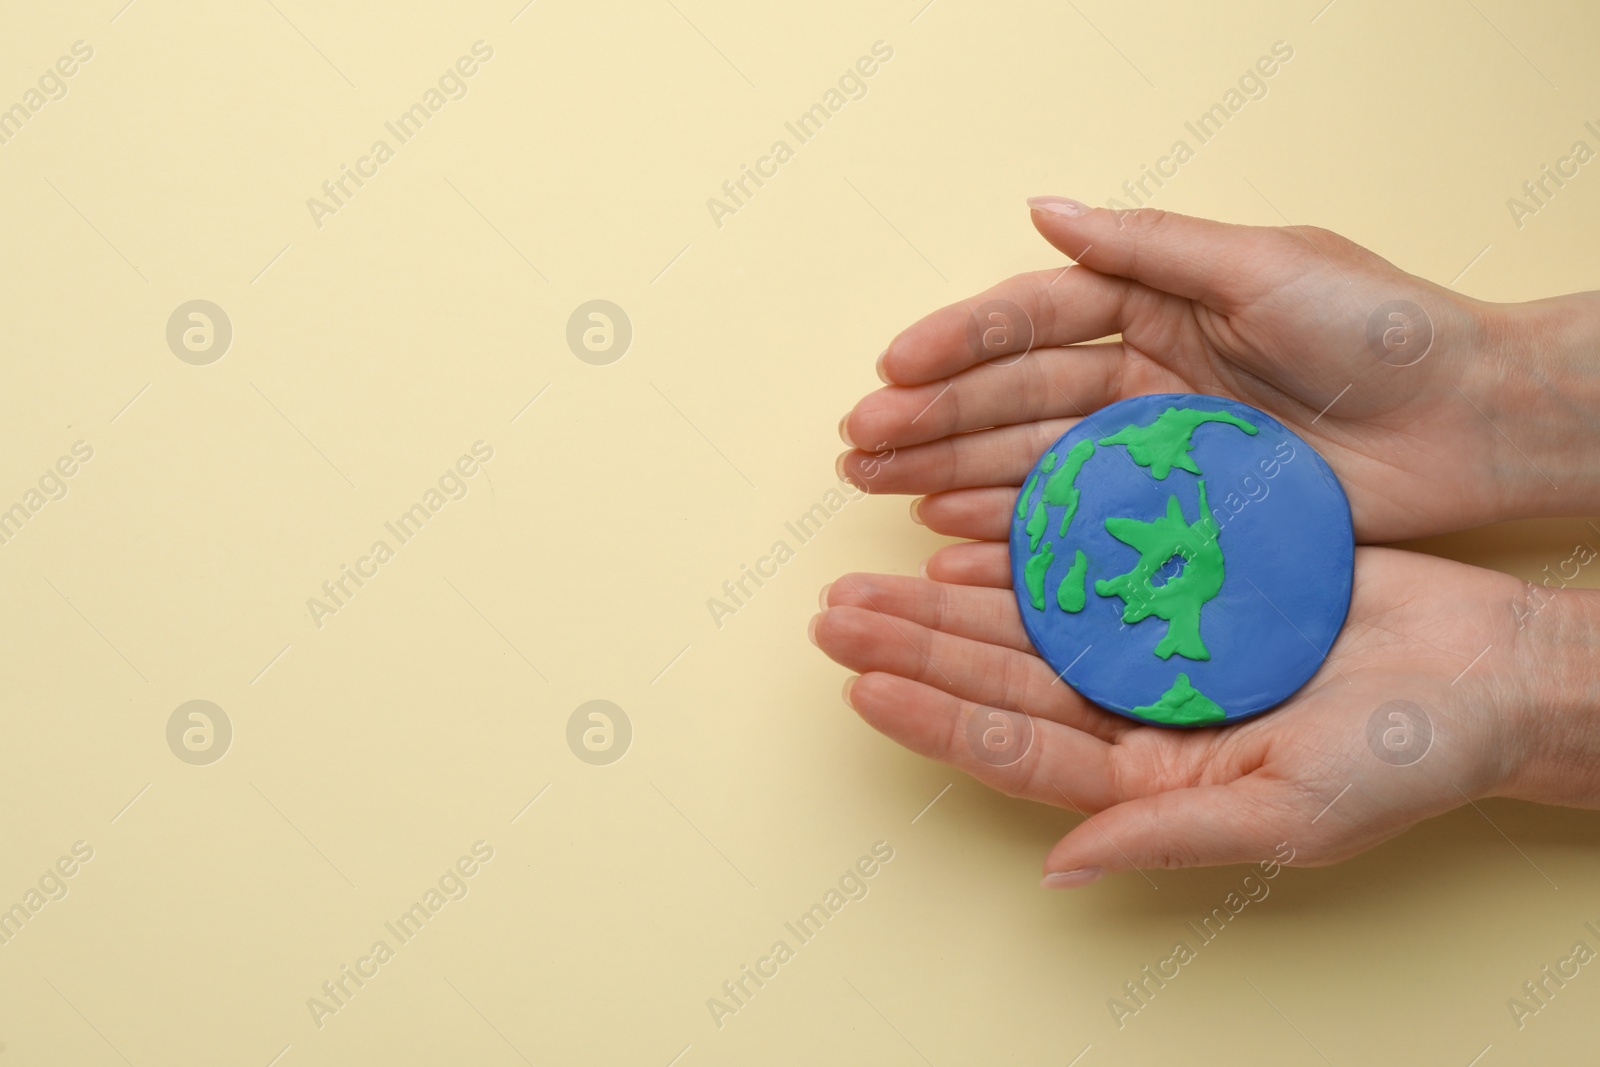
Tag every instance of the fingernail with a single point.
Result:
(848, 682)
(811, 628)
(844, 433)
(882, 374)
(839, 469)
(822, 597)
(922, 568)
(1058, 205)
(1071, 879)
(916, 511)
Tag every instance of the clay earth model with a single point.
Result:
(1182, 560)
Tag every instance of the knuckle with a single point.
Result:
(1313, 242)
(944, 607)
(953, 746)
(1167, 854)
(1032, 778)
(951, 416)
(1143, 221)
(1038, 300)
(1013, 684)
(1023, 283)
(926, 646)
(1320, 235)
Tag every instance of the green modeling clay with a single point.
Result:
(1178, 601)
(1027, 491)
(1047, 465)
(1062, 489)
(1182, 705)
(1036, 524)
(1165, 443)
(1070, 594)
(1033, 576)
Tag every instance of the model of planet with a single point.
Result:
(1182, 560)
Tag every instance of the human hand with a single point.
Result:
(939, 662)
(1481, 424)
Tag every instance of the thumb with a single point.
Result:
(1219, 264)
(1241, 822)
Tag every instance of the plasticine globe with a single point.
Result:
(1182, 560)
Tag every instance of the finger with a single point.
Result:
(1202, 826)
(1047, 384)
(1224, 266)
(977, 514)
(987, 615)
(1001, 456)
(868, 641)
(1060, 306)
(1018, 755)
(982, 563)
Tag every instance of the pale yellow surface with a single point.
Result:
(368, 354)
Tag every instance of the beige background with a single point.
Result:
(368, 354)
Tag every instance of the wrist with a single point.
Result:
(1552, 740)
(1539, 386)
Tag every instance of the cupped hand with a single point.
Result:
(1414, 712)
(1400, 384)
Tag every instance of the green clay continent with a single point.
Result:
(1062, 488)
(1027, 491)
(1070, 594)
(1033, 479)
(1182, 705)
(1178, 601)
(1033, 576)
(1036, 524)
(1165, 443)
